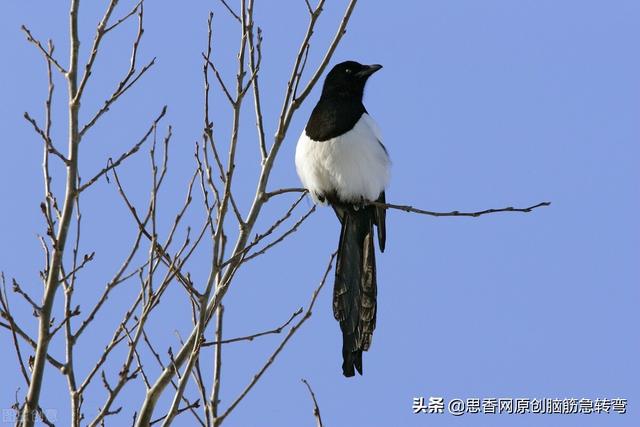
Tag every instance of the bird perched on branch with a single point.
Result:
(341, 161)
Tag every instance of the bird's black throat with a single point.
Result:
(334, 116)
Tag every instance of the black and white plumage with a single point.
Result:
(341, 161)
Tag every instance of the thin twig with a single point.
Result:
(6, 313)
(406, 208)
(95, 48)
(189, 407)
(137, 355)
(134, 149)
(17, 289)
(284, 235)
(68, 283)
(118, 278)
(235, 15)
(301, 71)
(156, 355)
(214, 401)
(48, 144)
(124, 18)
(277, 351)
(288, 107)
(67, 318)
(277, 330)
(117, 338)
(130, 78)
(255, 57)
(269, 194)
(309, 8)
(316, 408)
(342, 29)
(87, 258)
(259, 237)
(44, 419)
(223, 86)
(48, 55)
(173, 263)
(123, 87)
(50, 203)
(13, 326)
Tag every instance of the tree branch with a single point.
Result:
(255, 58)
(214, 301)
(125, 17)
(6, 312)
(316, 409)
(277, 330)
(48, 55)
(47, 141)
(53, 273)
(113, 164)
(277, 351)
(189, 407)
(100, 32)
(235, 15)
(130, 78)
(17, 289)
(214, 401)
(411, 209)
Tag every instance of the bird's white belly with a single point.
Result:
(354, 165)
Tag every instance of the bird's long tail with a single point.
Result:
(355, 289)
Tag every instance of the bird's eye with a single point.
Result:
(348, 71)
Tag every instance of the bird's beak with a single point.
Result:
(368, 70)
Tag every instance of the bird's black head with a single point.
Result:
(340, 105)
(347, 79)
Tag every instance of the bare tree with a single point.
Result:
(158, 257)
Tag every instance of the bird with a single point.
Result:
(341, 161)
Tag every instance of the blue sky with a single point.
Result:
(481, 104)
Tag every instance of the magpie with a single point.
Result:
(341, 161)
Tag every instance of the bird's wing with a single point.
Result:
(380, 220)
(381, 213)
